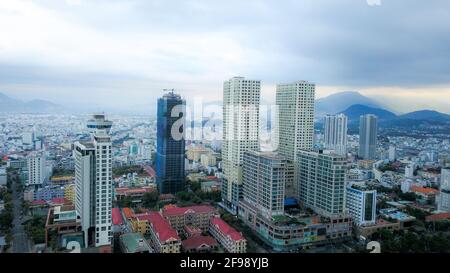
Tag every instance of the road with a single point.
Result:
(21, 243)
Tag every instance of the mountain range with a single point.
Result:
(11, 105)
(350, 103)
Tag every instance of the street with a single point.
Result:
(20, 243)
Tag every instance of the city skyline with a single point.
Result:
(84, 51)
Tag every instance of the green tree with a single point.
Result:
(150, 199)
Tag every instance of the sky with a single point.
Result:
(122, 54)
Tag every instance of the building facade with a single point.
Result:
(321, 182)
(170, 150)
(241, 100)
(368, 130)
(335, 133)
(93, 180)
(231, 240)
(362, 205)
(264, 181)
(36, 169)
(444, 192)
(295, 102)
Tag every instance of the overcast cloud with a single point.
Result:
(122, 53)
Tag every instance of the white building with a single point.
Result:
(28, 138)
(241, 100)
(37, 170)
(362, 205)
(409, 170)
(444, 193)
(321, 182)
(264, 180)
(392, 153)
(368, 129)
(3, 177)
(93, 179)
(335, 134)
(295, 102)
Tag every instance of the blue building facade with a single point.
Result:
(170, 146)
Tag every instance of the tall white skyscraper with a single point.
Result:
(368, 129)
(264, 182)
(321, 182)
(335, 134)
(241, 100)
(295, 119)
(37, 171)
(93, 180)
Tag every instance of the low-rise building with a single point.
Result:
(199, 244)
(197, 216)
(164, 239)
(231, 240)
(380, 224)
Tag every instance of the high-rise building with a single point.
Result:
(368, 128)
(37, 171)
(362, 205)
(93, 183)
(321, 182)
(264, 181)
(392, 153)
(241, 99)
(409, 170)
(444, 193)
(170, 147)
(295, 119)
(335, 134)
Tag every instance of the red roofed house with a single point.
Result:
(128, 213)
(196, 216)
(227, 236)
(199, 244)
(116, 217)
(163, 238)
(424, 193)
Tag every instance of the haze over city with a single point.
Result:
(121, 54)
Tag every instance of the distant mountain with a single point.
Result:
(355, 111)
(11, 105)
(426, 115)
(339, 102)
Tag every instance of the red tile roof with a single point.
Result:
(426, 191)
(150, 171)
(59, 200)
(127, 212)
(116, 216)
(162, 227)
(227, 229)
(38, 202)
(199, 241)
(176, 211)
(437, 217)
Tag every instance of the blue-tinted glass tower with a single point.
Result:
(170, 176)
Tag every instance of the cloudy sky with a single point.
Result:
(122, 53)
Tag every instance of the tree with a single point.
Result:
(150, 199)
(6, 219)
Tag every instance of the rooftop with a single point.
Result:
(198, 242)
(173, 211)
(227, 229)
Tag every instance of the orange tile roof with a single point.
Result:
(128, 213)
(426, 191)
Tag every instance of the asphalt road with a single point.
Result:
(21, 243)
